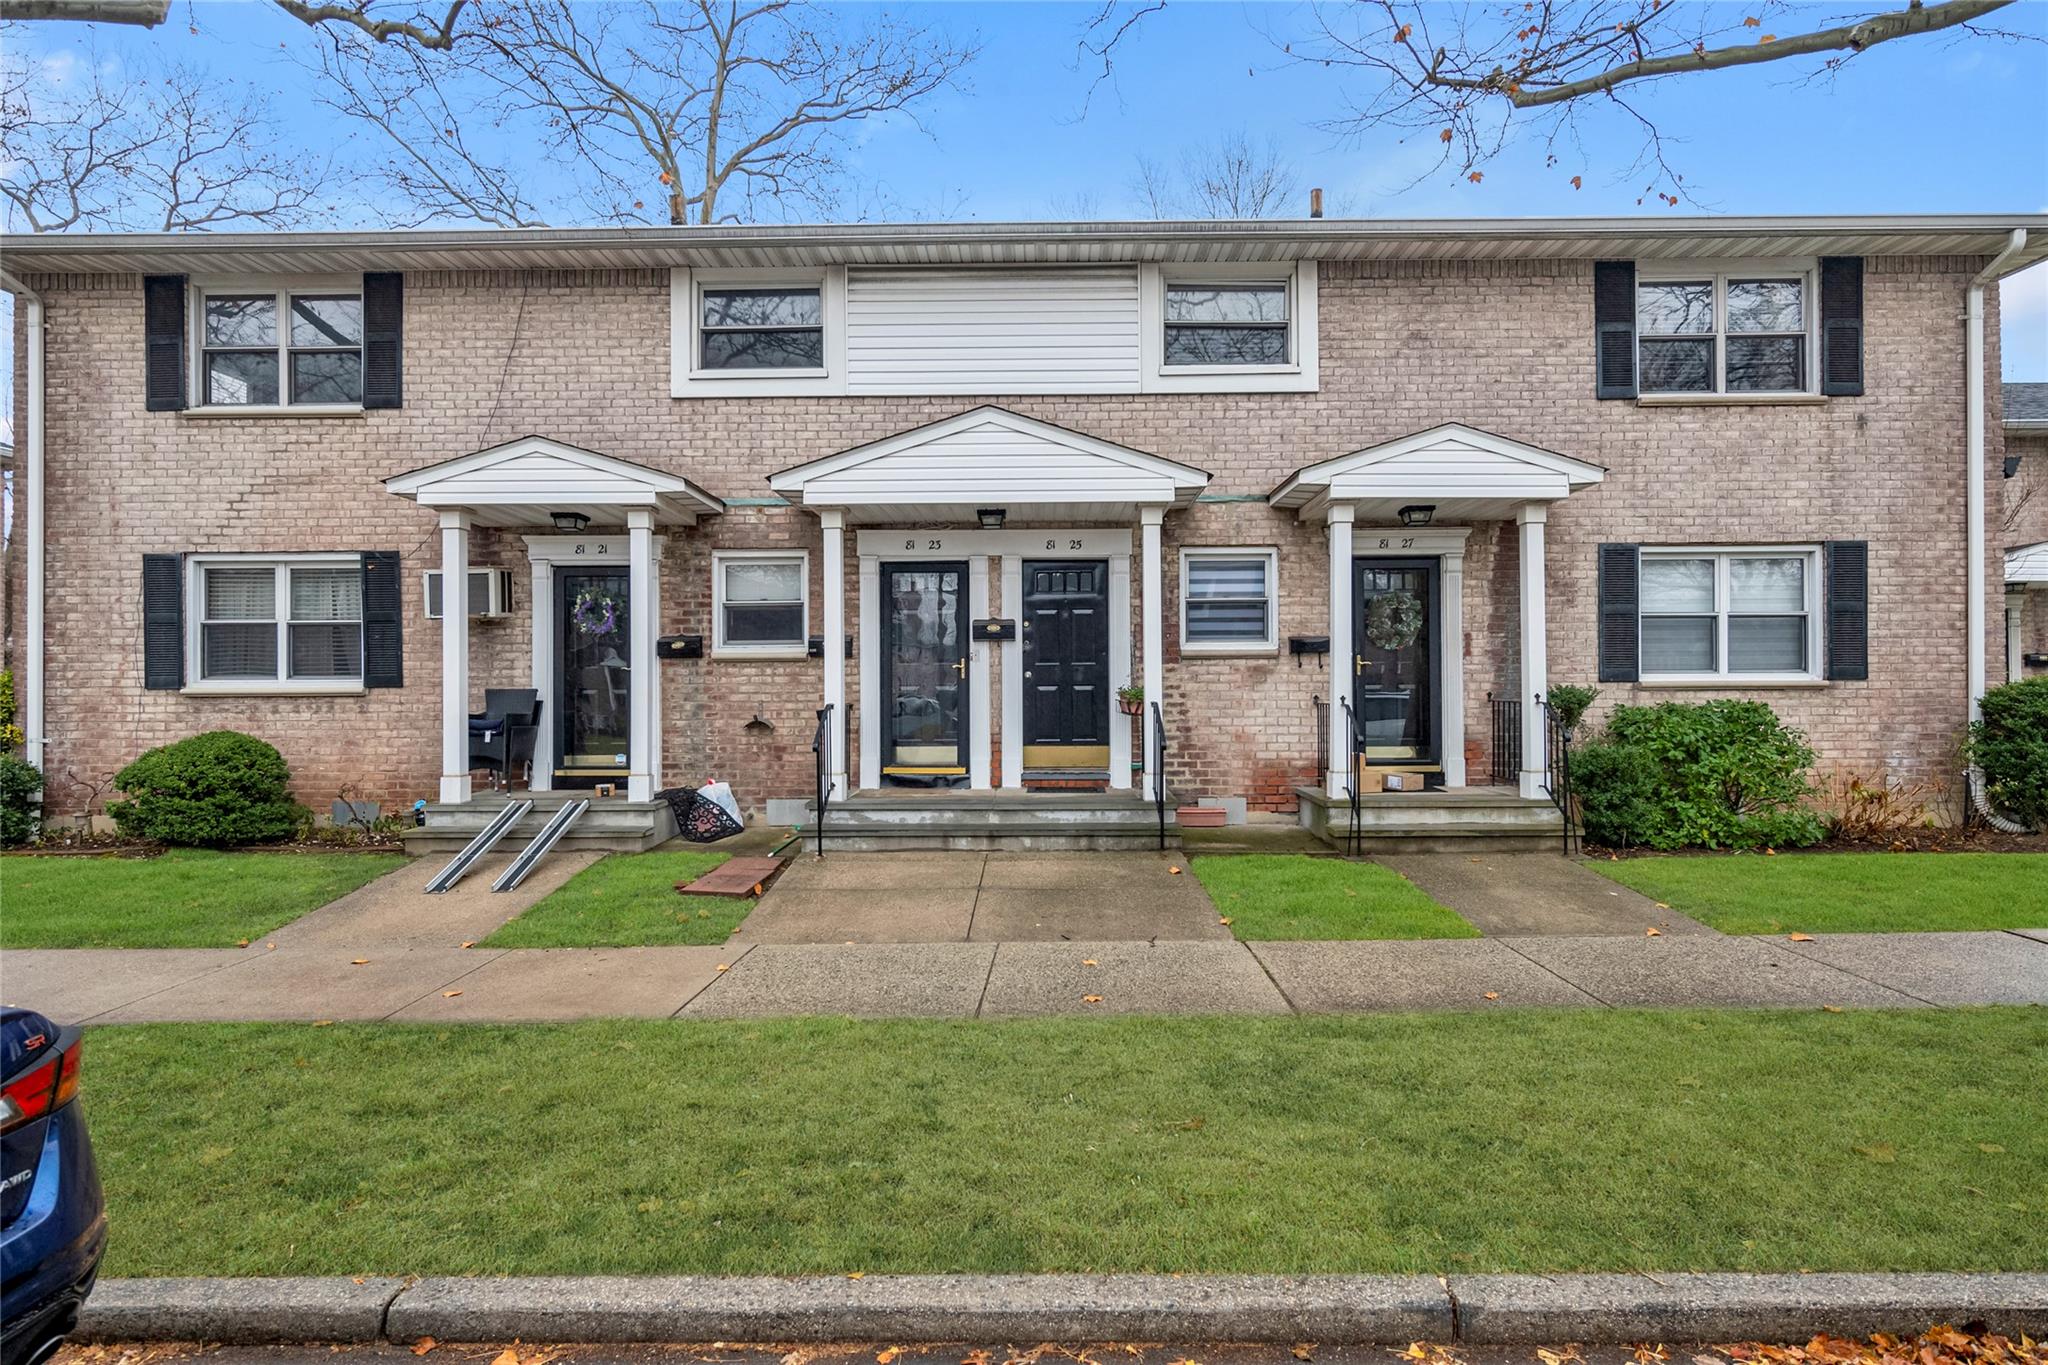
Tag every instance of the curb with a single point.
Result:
(1506, 1310)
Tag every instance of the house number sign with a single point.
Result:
(949, 544)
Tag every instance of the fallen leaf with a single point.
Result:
(1091, 999)
(450, 995)
(241, 943)
(1493, 995)
(1173, 871)
(885, 1357)
(976, 1357)
(359, 962)
(424, 1345)
(1305, 1351)
(508, 1356)
(723, 967)
(1990, 1147)
(1224, 920)
(323, 1023)
(1090, 962)
(1799, 938)
(1662, 906)
(1883, 1153)
(1653, 932)
(470, 944)
(1832, 1009)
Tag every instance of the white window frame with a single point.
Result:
(687, 376)
(1301, 373)
(720, 649)
(1722, 676)
(283, 684)
(1719, 273)
(284, 287)
(1271, 643)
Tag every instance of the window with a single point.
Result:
(761, 328)
(1730, 613)
(286, 623)
(1228, 600)
(1724, 333)
(248, 358)
(762, 602)
(1226, 322)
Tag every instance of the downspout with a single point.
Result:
(31, 690)
(1973, 447)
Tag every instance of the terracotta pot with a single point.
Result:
(1129, 707)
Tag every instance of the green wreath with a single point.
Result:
(1394, 620)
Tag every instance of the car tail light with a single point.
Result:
(49, 1087)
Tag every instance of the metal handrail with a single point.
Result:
(1320, 709)
(1156, 762)
(821, 743)
(1354, 840)
(1557, 768)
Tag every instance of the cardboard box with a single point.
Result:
(1370, 780)
(1404, 782)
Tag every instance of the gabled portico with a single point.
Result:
(1415, 499)
(537, 482)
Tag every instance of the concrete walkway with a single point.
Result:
(317, 980)
(1536, 893)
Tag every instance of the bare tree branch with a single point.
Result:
(422, 29)
(1229, 178)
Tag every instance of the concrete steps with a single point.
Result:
(980, 821)
(1465, 819)
(611, 825)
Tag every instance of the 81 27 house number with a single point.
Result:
(1387, 542)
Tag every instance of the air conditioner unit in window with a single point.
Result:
(490, 592)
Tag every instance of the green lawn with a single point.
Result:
(1292, 895)
(628, 900)
(1846, 893)
(1536, 1141)
(187, 898)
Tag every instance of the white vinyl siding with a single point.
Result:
(992, 331)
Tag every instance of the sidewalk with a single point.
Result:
(317, 977)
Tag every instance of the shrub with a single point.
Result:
(1870, 808)
(1616, 787)
(2011, 745)
(214, 789)
(21, 801)
(1569, 702)
(1729, 774)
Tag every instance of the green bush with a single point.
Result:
(10, 732)
(2011, 745)
(1727, 774)
(1569, 702)
(1616, 786)
(211, 790)
(21, 801)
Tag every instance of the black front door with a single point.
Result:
(593, 674)
(1066, 664)
(924, 672)
(1393, 633)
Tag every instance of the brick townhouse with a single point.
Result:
(1316, 497)
(2024, 527)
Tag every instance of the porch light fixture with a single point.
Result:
(991, 518)
(1417, 513)
(569, 523)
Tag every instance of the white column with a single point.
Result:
(833, 521)
(1155, 639)
(645, 615)
(1013, 675)
(1452, 585)
(1343, 669)
(1119, 669)
(454, 655)
(871, 739)
(2015, 609)
(1529, 519)
(543, 600)
(979, 655)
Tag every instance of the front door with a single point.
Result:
(593, 675)
(1394, 687)
(924, 673)
(1066, 664)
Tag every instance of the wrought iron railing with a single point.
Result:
(1557, 769)
(821, 746)
(1155, 763)
(1507, 740)
(1321, 710)
(1354, 765)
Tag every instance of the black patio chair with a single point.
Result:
(502, 735)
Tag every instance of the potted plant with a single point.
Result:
(1130, 698)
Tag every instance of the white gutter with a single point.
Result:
(1973, 458)
(30, 692)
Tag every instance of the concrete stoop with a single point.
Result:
(1036, 821)
(1459, 820)
(1509, 1310)
(611, 825)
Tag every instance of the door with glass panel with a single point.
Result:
(1725, 614)
(593, 675)
(1394, 687)
(924, 673)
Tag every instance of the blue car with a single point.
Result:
(53, 1220)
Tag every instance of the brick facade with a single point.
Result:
(582, 356)
(2024, 521)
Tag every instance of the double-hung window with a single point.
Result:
(1735, 614)
(1226, 322)
(1731, 332)
(762, 602)
(1228, 600)
(283, 623)
(761, 328)
(285, 347)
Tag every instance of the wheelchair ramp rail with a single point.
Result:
(543, 843)
(486, 839)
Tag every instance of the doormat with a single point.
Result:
(735, 877)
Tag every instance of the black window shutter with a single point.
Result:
(1841, 326)
(1614, 328)
(1846, 581)
(384, 340)
(163, 333)
(163, 621)
(383, 623)
(1621, 570)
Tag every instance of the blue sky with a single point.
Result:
(1920, 125)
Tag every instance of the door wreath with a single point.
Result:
(1394, 619)
(594, 613)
